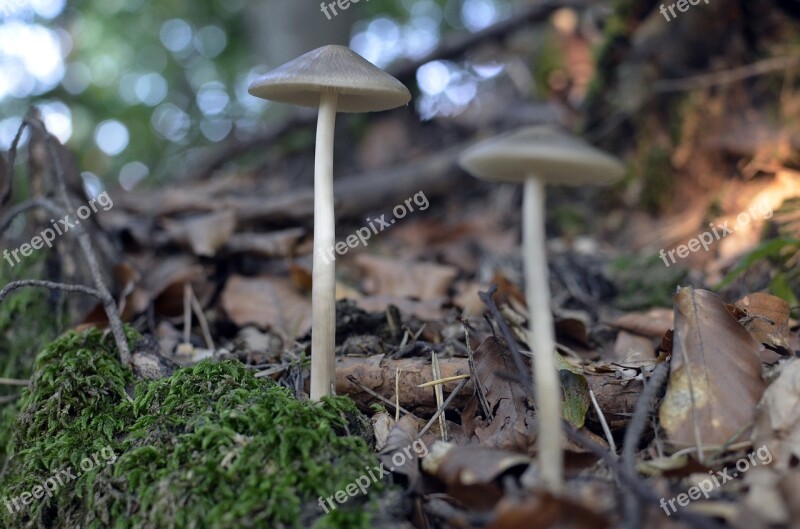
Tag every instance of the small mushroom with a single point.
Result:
(535, 156)
(333, 78)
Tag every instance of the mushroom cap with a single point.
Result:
(544, 152)
(362, 86)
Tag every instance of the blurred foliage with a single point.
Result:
(174, 73)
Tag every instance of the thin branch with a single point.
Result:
(14, 382)
(604, 424)
(443, 407)
(723, 77)
(487, 410)
(378, 396)
(44, 203)
(114, 318)
(22, 283)
(633, 433)
(5, 192)
(201, 318)
(522, 371)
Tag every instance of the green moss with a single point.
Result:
(27, 321)
(211, 446)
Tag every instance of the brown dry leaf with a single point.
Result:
(473, 473)
(468, 300)
(276, 244)
(161, 284)
(270, 303)
(204, 234)
(383, 275)
(652, 323)
(382, 424)
(776, 440)
(402, 450)
(632, 348)
(513, 424)
(767, 319)
(164, 283)
(715, 374)
(541, 510)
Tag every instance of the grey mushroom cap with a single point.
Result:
(362, 86)
(544, 152)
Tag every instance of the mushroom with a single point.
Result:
(333, 78)
(536, 156)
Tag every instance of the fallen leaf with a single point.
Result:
(576, 398)
(267, 302)
(715, 373)
(276, 244)
(471, 473)
(419, 280)
(512, 426)
(767, 320)
(541, 510)
(776, 441)
(652, 323)
(402, 450)
(205, 234)
(630, 348)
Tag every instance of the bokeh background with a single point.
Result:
(138, 88)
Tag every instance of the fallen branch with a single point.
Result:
(633, 509)
(22, 283)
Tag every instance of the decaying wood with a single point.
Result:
(617, 398)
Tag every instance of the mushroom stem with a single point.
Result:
(540, 336)
(323, 289)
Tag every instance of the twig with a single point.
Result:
(487, 410)
(9, 398)
(110, 306)
(397, 394)
(523, 373)
(705, 80)
(22, 283)
(14, 382)
(49, 205)
(443, 407)
(187, 313)
(537, 12)
(438, 393)
(604, 424)
(719, 449)
(444, 380)
(5, 192)
(722, 77)
(633, 433)
(378, 396)
(201, 318)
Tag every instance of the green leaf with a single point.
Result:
(576, 398)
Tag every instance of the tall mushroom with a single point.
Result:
(535, 156)
(332, 78)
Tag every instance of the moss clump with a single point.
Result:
(211, 446)
(27, 321)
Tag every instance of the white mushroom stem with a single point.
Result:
(540, 336)
(323, 290)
